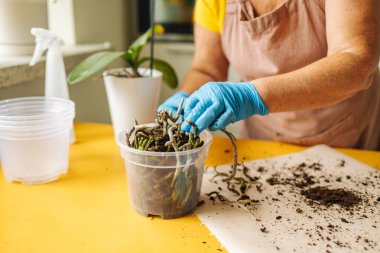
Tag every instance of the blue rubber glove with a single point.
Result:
(218, 104)
(172, 103)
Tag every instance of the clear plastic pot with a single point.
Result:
(165, 184)
(34, 138)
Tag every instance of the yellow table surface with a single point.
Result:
(88, 209)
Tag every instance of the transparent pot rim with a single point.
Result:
(67, 105)
(34, 128)
(207, 138)
(34, 136)
(57, 119)
(9, 103)
(40, 110)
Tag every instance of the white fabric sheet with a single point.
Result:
(307, 230)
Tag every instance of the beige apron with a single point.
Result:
(286, 39)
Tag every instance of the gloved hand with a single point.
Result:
(172, 103)
(217, 104)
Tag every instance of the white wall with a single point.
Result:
(103, 20)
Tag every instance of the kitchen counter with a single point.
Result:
(15, 69)
(88, 209)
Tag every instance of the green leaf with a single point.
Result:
(92, 65)
(130, 58)
(135, 49)
(168, 73)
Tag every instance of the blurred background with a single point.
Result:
(88, 26)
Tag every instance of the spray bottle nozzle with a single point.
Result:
(44, 40)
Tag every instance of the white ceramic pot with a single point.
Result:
(132, 98)
(17, 17)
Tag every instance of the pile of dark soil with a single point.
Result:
(328, 197)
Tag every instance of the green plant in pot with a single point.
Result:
(133, 91)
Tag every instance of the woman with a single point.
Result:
(310, 70)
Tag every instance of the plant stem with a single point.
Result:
(235, 162)
(152, 21)
(135, 72)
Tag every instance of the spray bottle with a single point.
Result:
(55, 77)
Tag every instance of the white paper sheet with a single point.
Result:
(309, 231)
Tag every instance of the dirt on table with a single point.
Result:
(317, 188)
(327, 197)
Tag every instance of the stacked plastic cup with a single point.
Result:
(34, 138)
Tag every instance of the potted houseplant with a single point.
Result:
(132, 92)
(164, 165)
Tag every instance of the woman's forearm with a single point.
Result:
(195, 78)
(209, 62)
(321, 84)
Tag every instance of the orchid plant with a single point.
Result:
(98, 61)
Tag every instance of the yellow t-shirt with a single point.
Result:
(210, 14)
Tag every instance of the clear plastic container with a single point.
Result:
(165, 184)
(34, 138)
